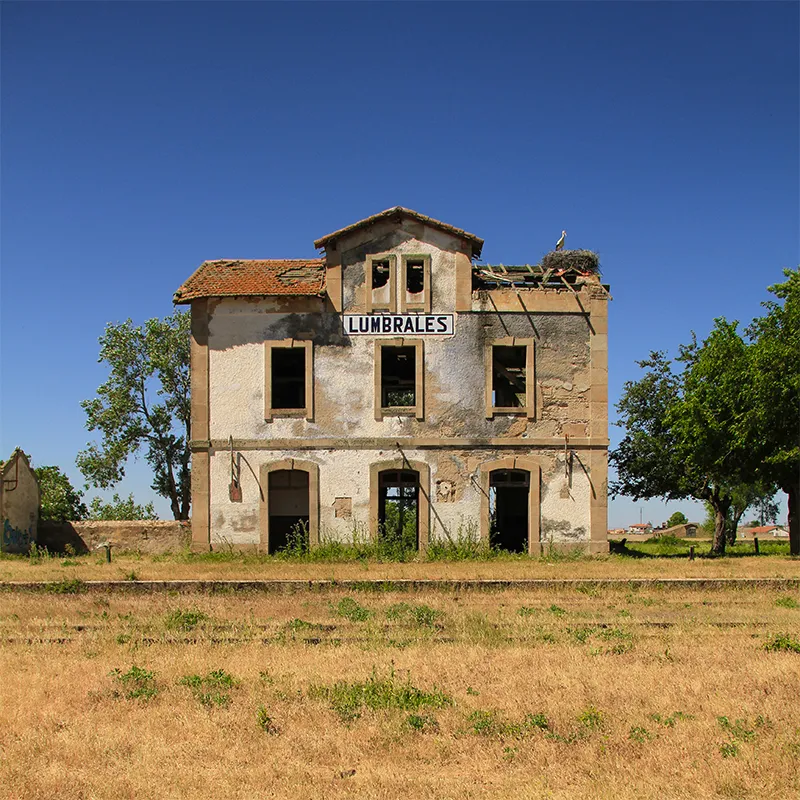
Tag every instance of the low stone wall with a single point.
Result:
(144, 536)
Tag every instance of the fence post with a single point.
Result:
(755, 543)
(691, 552)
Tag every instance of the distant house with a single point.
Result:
(761, 531)
(19, 504)
(689, 530)
(640, 527)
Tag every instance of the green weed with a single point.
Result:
(421, 615)
(351, 610)
(209, 690)
(73, 586)
(640, 735)
(491, 724)
(787, 602)
(422, 723)
(180, 620)
(591, 718)
(349, 698)
(782, 642)
(265, 721)
(136, 683)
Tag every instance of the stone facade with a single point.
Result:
(19, 504)
(329, 459)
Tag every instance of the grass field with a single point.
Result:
(604, 693)
(667, 559)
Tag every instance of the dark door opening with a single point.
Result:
(509, 490)
(288, 507)
(398, 508)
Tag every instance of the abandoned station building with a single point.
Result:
(398, 387)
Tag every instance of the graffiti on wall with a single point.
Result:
(15, 540)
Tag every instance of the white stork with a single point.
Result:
(560, 242)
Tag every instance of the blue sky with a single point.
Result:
(139, 139)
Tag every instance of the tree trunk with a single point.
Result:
(720, 530)
(794, 519)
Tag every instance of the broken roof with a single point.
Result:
(399, 212)
(254, 277)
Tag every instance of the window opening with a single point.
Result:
(415, 277)
(398, 377)
(288, 377)
(508, 509)
(288, 508)
(380, 274)
(508, 377)
(398, 508)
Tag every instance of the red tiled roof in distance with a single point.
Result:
(254, 277)
(396, 213)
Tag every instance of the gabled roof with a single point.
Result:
(252, 277)
(398, 212)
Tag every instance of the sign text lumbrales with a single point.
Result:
(398, 324)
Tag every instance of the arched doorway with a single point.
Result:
(509, 491)
(289, 502)
(398, 507)
(390, 482)
(288, 506)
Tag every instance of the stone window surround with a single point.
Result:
(269, 412)
(425, 305)
(313, 498)
(529, 409)
(369, 307)
(417, 410)
(533, 468)
(423, 502)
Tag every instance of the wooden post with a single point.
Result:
(691, 552)
(755, 543)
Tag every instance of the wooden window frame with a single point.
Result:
(425, 305)
(529, 409)
(271, 413)
(391, 306)
(417, 410)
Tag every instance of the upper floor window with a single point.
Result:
(398, 378)
(380, 285)
(289, 385)
(415, 283)
(510, 387)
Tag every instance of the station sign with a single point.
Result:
(398, 324)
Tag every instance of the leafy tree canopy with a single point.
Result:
(60, 500)
(678, 518)
(120, 509)
(143, 406)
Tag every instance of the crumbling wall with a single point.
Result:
(143, 536)
(19, 505)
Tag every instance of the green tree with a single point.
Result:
(120, 508)
(60, 500)
(684, 430)
(678, 518)
(774, 421)
(144, 405)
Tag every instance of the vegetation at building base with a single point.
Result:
(724, 427)
(144, 405)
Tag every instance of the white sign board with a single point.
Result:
(398, 324)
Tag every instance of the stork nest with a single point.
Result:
(578, 260)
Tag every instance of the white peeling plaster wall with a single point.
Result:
(345, 473)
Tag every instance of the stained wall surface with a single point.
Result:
(566, 435)
(19, 505)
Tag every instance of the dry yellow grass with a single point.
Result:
(608, 669)
(597, 567)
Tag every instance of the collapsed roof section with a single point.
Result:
(254, 277)
(558, 270)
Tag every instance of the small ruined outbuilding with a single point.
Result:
(396, 386)
(19, 504)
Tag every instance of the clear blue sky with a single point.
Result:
(139, 139)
